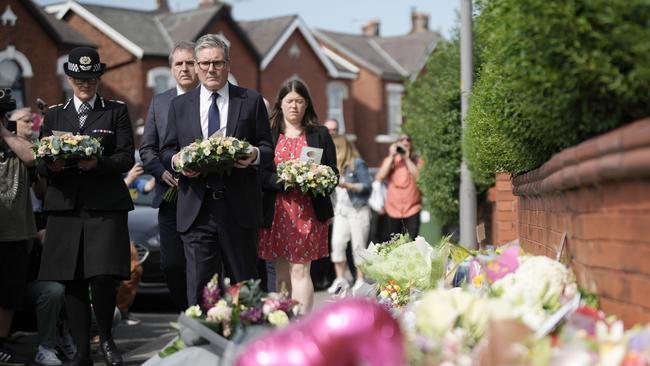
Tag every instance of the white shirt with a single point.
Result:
(78, 102)
(223, 103)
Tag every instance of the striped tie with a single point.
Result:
(84, 108)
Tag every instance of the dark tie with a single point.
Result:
(214, 123)
(215, 182)
(84, 109)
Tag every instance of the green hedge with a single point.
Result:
(431, 107)
(554, 73)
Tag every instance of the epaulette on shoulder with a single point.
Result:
(54, 106)
(117, 101)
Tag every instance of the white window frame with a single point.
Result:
(337, 92)
(394, 94)
(157, 72)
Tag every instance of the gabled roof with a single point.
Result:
(60, 11)
(151, 33)
(265, 32)
(61, 32)
(411, 50)
(140, 27)
(390, 57)
(269, 35)
(189, 24)
(364, 51)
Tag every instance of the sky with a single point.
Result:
(347, 16)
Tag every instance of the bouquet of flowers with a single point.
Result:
(394, 296)
(241, 305)
(307, 176)
(215, 154)
(66, 146)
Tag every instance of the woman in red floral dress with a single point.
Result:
(295, 224)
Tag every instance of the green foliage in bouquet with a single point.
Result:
(553, 74)
(66, 146)
(307, 176)
(216, 154)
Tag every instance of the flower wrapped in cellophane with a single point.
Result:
(307, 176)
(241, 305)
(216, 154)
(407, 263)
(66, 146)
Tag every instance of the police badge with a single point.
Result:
(85, 63)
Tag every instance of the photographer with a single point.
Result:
(400, 170)
(17, 225)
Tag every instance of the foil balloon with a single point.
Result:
(347, 332)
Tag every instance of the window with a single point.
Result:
(336, 93)
(65, 86)
(160, 79)
(11, 77)
(394, 103)
(14, 69)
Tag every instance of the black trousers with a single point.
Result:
(172, 256)
(410, 225)
(216, 242)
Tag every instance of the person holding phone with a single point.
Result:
(400, 170)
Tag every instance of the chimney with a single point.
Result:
(163, 7)
(419, 21)
(371, 29)
(205, 3)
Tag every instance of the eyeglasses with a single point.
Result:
(92, 81)
(405, 138)
(217, 65)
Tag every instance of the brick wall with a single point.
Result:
(504, 222)
(597, 192)
(307, 67)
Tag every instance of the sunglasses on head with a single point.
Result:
(405, 138)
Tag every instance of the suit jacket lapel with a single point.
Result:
(312, 138)
(234, 107)
(71, 118)
(195, 114)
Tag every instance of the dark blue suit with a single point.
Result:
(172, 256)
(212, 228)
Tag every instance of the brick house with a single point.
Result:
(32, 45)
(383, 64)
(135, 45)
(288, 50)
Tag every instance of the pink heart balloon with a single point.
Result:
(347, 332)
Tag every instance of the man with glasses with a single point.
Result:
(218, 216)
(172, 256)
(87, 241)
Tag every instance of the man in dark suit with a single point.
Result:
(87, 241)
(172, 256)
(218, 216)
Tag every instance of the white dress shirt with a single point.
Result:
(78, 102)
(223, 103)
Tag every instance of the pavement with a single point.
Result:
(139, 342)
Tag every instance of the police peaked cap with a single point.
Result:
(83, 63)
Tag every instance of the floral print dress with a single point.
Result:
(295, 234)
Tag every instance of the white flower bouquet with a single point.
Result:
(215, 154)
(307, 176)
(66, 146)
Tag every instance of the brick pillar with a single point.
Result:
(504, 226)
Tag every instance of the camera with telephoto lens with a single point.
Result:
(400, 149)
(7, 103)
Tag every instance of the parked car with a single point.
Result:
(143, 230)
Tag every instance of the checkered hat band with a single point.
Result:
(82, 68)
